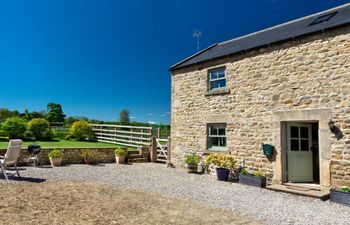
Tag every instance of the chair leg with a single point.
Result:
(4, 172)
(17, 170)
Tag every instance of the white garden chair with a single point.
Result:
(11, 157)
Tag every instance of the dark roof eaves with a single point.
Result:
(192, 56)
(178, 65)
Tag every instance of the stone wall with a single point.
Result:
(312, 72)
(71, 155)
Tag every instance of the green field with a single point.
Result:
(61, 144)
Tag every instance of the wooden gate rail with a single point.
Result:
(130, 136)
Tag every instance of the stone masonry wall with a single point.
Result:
(308, 73)
(71, 155)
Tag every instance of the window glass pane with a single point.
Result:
(304, 145)
(223, 142)
(294, 132)
(213, 75)
(222, 83)
(304, 132)
(214, 141)
(213, 85)
(222, 131)
(221, 73)
(294, 145)
(213, 131)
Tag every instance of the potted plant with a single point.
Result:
(120, 155)
(90, 157)
(192, 159)
(341, 195)
(224, 163)
(56, 157)
(256, 179)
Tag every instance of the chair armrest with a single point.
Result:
(2, 156)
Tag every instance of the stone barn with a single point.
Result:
(287, 86)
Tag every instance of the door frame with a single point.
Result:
(287, 140)
(322, 116)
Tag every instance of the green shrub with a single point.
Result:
(14, 127)
(90, 157)
(192, 158)
(345, 189)
(56, 153)
(81, 131)
(119, 152)
(2, 133)
(39, 128)
(244, 171)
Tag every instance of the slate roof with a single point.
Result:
(338, 16)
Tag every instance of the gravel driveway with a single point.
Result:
(258, 204)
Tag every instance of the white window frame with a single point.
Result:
(216, 79)
(209, 135)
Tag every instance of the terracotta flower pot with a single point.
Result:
(56, 161)
(120, 159)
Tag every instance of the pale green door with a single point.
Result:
(299, 155)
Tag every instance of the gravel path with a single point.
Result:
(258, 204)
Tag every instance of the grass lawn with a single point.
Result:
(61, 144)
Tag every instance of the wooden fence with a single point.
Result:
(131, 136)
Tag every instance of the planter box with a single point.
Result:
(340, 197)
(252, 180)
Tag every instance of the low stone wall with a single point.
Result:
(71, 155)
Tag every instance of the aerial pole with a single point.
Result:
(197, 34)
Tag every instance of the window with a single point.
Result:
(217, 78)
(299, 138)
(323, 18)
(217, 137)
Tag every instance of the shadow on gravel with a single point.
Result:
(25, 179)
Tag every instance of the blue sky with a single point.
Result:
(99, 57)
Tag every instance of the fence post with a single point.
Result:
(158, 133)
(168, 160)
(153, 149)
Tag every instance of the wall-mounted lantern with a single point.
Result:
(331, 125)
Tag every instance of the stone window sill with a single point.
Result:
(208, 152)
(218, 92)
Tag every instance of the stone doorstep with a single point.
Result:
(323, 195)
(315, 187)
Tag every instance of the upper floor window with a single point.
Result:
(217, 78)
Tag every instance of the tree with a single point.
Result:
(71, 119)
(32, 115)
(124, 116)
(5, 114)
(55, 113)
